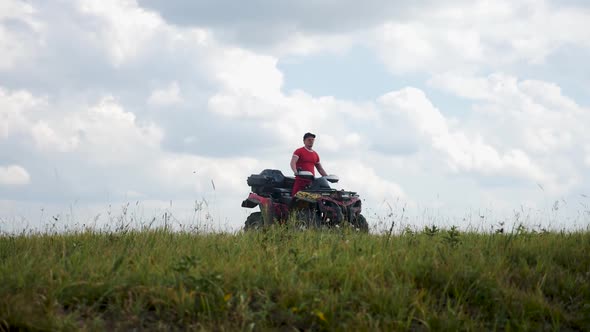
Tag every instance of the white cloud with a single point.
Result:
(300, 44)
(10, 9)
(460, 152)
(413, 104)
(469, 87)
(14, 175)
(475, 36)
(110, 135)
(104, 132)
(16, 109)
(168, 96)
(47, 139)
(124, 28)
(198, 174)
(242, 72)
(363, 178)
(531, 117)
(19, 33)
(532, 113)
(405, 48)
(506, 89)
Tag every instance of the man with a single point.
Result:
(305, 159)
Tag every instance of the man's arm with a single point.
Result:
(294, 164)
(321, 169)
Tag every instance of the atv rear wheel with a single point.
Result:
(361, 223)
(254, 221)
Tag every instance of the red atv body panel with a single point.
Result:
(279, 210)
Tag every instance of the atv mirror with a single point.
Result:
(332, 178)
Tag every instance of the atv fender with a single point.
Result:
(254, 200)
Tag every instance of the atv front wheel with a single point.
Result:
(361, 224)
(254, 221)
(307, 218)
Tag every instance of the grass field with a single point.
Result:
(285, 279)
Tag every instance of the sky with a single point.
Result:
(467, 113)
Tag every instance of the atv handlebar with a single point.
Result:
(309, 175)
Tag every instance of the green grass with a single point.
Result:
(284, 279)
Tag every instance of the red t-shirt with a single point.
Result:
(307, 159)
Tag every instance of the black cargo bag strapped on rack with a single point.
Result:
(264, 182)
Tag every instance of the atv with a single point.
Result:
(317, 205)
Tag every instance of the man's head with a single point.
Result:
(308, 140)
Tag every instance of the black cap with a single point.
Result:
(308, 135)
